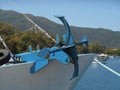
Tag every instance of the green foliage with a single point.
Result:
(6, 30)
(118, 52)
(104, 37)
(82, 49)
(18, 41)
(113, 52)
(92, 48)
(96, 48)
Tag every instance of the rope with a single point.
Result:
(30, 20)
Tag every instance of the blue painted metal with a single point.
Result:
(64, 37)
(56, 54)
(28, 56)
(39, 64)
(46, 54)
(42, 62)
(57, 39)
(67, 37)
(84, 41)
(67, 49)
(71, 51)
(30, 48)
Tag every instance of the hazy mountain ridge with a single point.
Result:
(102, 36)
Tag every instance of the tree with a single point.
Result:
(6, 31)
(113, 51)
(82, 49)
(21, 42)
(96, 48)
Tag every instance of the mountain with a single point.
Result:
(105, 37)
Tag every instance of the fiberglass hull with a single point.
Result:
(55, 76)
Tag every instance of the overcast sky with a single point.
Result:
(80, 13)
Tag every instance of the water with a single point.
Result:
(99, 78)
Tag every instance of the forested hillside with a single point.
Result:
(104, 37)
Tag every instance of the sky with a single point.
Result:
(80, 13)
